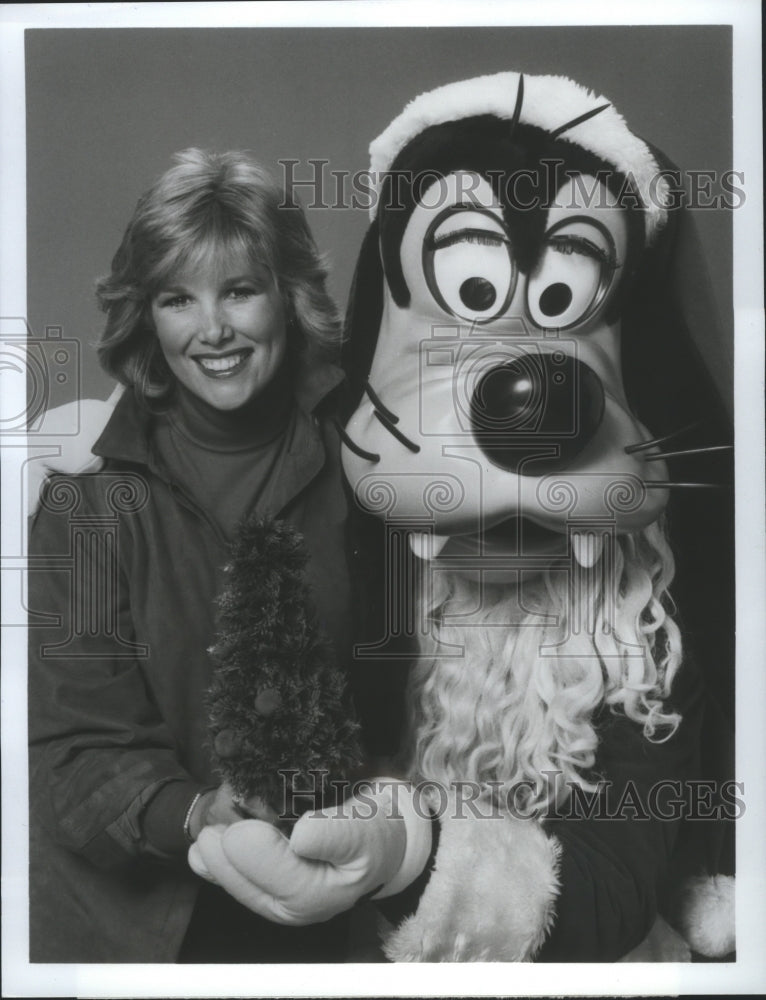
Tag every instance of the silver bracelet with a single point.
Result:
(187, 820)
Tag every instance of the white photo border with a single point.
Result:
(749, 971)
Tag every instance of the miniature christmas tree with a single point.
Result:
(280, 717)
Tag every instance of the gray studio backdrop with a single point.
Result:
(107, 108)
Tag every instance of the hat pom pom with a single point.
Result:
(706, 914)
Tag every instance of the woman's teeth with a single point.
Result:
(222, 364)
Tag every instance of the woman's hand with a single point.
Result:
(221, 807)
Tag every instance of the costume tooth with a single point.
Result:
(587, 547)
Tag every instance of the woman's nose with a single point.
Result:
(214, 326)
(543, 407)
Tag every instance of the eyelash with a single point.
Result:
(476, 236)
(561, 244)
(580, 245)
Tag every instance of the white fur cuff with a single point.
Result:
(419, 834)
(491, 897)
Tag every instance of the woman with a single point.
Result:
(219, 323)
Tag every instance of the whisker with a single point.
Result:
(578, 121)
(658, 484)
(375, 400)
(396, 433)
(369, 455)
(517, 108)
(687, 451)
(631, 449)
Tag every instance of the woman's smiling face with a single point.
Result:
(222, 329)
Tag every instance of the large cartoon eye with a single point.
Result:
(468, 265)
(575, 270)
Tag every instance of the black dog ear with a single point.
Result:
(678, 376)
(378, 683)
(690, 276)
(363, 316)
(677, 365)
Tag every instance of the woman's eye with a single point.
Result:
(242, 292)
(570, 281)
(175, 301)
(470, 272)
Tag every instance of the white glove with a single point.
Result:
(333, 858)
(74, 450)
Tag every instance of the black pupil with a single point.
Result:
(555, 299)
(477, 294)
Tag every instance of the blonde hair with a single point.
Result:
(208, 205)
(521, 700)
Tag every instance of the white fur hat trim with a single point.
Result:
(549, 102)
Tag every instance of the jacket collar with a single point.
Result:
(314, 381)
(126, 435)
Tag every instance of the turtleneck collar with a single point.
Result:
(256, 423)
(126, 435)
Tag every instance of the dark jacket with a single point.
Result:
(124, 571)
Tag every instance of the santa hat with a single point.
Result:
(554, 103)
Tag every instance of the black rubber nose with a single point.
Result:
(540, 410)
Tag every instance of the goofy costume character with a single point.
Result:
(504, 427)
